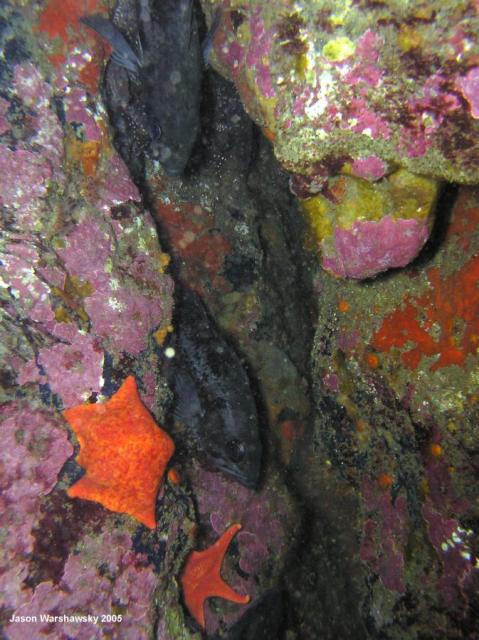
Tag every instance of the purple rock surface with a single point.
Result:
(395, 81)
(35, 446)
(83, 290)
(265, 518)
(97, 283)
(102, 578)
(370, 247)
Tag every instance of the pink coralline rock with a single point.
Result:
(453, 545)
(253, 552)
(370, 168)
(35, 94)
(361, 91)
(71, 361)
(124, 300)
(80, 362)
(385, 534)
(469, 86)
(349, 340)
(77, 111)
(331, 382)
(31, 86)
(443, 511)
(84, 278)
(118, 186)
(330, 83)
(19, 261)
(104, 576)
(24, 177)
(117, 301)
(82, 290)
(148, 394)
(370, 247)
(35, 446)
(264, 517)
(364, 227)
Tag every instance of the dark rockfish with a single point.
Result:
(213, 396)
(164, 98)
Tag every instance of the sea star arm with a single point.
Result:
(201, 577)
(124, 454)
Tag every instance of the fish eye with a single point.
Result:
(235, 450)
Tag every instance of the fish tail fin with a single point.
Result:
(123, 54)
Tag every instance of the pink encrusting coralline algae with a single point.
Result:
(89, 280)
(35, 446)
(83, 290)
(369, 247)
(357, 82)
(360, 91)
(264, 516)
(104, 575)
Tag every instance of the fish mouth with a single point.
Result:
(241, 478)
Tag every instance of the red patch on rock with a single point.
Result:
(452, 304)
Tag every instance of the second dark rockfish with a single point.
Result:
(160, 105)
(213, 396)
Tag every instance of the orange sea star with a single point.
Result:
(123, 451)
(201, 579)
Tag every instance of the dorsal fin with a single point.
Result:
(123, 54)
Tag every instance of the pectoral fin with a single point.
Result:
(123, 54)
(187, 407)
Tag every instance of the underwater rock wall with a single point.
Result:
(396, 390)
(87, 303)
(359, 89)
(365, 522)
(84, 297)
(331, 80)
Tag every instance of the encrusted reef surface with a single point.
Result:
(222, 227)
(365, 520)
(87, 305)
(83, 294)
(361, 89)
(396, 365)
(363, 83)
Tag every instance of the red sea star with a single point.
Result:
(123, 451)
(201, 579)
